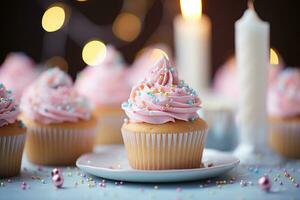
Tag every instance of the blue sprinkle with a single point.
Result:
(9, 91)
(21, 125)
(190, 102)
(1, 85)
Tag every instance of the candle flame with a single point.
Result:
(191, 9)
(274, 58)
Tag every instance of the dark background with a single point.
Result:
(21, 27)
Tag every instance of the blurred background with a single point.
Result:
(131, 25)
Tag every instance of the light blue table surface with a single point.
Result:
(78, 185)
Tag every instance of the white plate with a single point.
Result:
(110, 162)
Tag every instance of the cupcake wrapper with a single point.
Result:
(109, 129)
(157, 151)
(11, 150)
(58, 146)
(222, 129)
(284, 138)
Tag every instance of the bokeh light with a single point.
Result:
(94, 52)
(127, 27)
(274, 58)
(53, 18)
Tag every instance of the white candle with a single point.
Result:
(192, 41)
(252, 53)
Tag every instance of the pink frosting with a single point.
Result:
(145, 61)
(162, 97)
(17, 65)
(284, 96)
(105, 84)
(8, 107)
(52, 99)
(225, 81)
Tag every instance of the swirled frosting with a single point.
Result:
(8, 107)
(52, 99)
(284, 96)
(146, 60)
(105, 84)
(162, 97)
(20, 66)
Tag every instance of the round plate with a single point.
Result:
(110, 162)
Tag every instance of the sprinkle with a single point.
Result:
(243, 183)
(297, 185)
(126, 121)
(21, 125)
(156, 187)
(141, 189)
(43, 181)
(2, 184)
(9, 180)
(1, 85)
(178, 189)
(210, 164)
(190, 102)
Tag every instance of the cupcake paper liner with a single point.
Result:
(158, 151)
(109, 129)
(284, 138)
(11, 150)
(58, 146)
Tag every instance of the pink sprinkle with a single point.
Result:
(178, 189)
(141, 189)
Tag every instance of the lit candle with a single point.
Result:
(252, 54)
(192, 41)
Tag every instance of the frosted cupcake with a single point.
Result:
(106, 87)
(226, 81)
(59, 123)
(284, 114)
(21, 66)
(164, 130)
(12, 135)
(219, 113)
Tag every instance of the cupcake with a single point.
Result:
(106, 87)
(164, 130)
(12, 135)
(21, 66)
(225, 82)
(59, 123)
(219, 112)
(284, 114)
